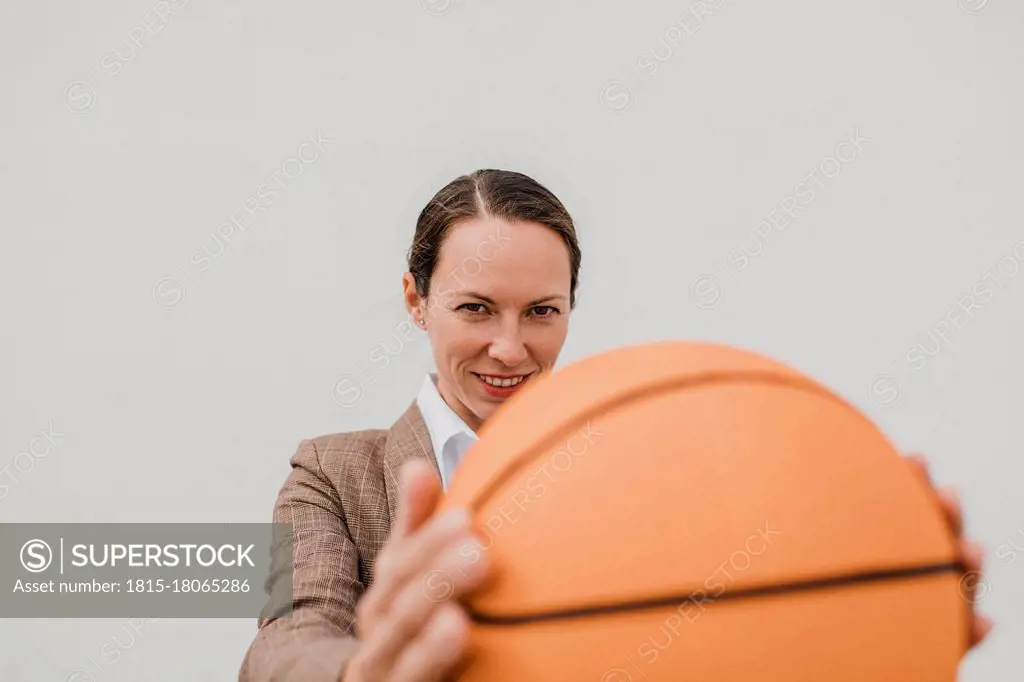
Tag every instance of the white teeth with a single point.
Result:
(500, 383)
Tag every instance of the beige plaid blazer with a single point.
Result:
(341, 498)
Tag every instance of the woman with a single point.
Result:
(492, 279)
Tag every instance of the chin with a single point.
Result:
(486, 411)
(485, 407)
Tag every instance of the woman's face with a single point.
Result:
(497, 312)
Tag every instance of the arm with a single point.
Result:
(317, 640)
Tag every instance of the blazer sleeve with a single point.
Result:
(317, 640)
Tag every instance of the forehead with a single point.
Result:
(496, 257)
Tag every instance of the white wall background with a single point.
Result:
(182, 399)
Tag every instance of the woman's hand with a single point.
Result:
(409, 624)
(970, 553)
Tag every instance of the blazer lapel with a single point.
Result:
(408, 439)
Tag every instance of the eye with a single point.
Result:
(544, 311)
(473, 308)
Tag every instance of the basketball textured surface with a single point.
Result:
(680, 511)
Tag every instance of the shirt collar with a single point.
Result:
(443, 424)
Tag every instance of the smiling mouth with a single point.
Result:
(497, 381)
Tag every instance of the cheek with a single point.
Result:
(459, 341)
(548, 342)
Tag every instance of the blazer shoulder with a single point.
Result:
(347, 450)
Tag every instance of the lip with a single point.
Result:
(506, 392)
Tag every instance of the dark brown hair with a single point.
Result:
(488, 192)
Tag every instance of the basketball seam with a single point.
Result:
(836, 582)
(501, 478)
(512, 467)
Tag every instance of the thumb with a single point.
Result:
(419, 494)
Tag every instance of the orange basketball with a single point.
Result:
(678, 512)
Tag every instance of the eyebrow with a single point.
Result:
(488, 299)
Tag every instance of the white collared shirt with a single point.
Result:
(449, 434)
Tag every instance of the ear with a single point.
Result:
(414, 303)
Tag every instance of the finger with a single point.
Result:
(971, 554)
(980, 629)
(919, 465)
(440, 557)
(953, 510)
(407, 557)
(419, 493)
(948, 498)
(462, 567)
(458, 570)
(437, 650)
(402, 559)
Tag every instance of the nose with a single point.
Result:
(507, 346)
